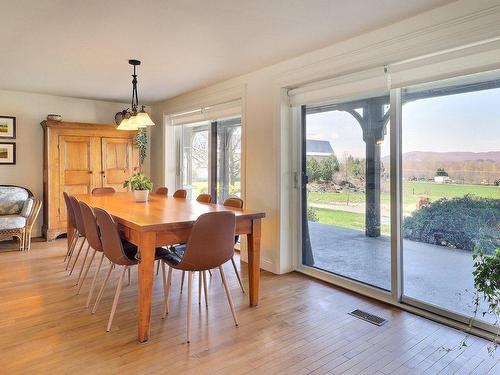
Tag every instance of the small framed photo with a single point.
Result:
(7, 127)
(7, 153)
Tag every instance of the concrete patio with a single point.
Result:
(433, 274)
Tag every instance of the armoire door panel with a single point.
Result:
(78, 167)
(117, 162)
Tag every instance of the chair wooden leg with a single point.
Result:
(166, 289)
(117, 297)
(238, 276)
(71, 248)
(190, 302)
(228, 293)
(92, 286)
(84, 277)
(199, 287)
(21, 241)
(83, 264)
(205, 287)
(164, 282)
(29, 240)
(182, 280)
(101, 292)
(158, 267)
(77, 255)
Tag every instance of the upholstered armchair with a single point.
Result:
(18, 212)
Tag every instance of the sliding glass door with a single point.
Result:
(346, 197)
(211, 159)
(451, 197)
(417, 240)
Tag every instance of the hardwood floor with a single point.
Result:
(300, 327)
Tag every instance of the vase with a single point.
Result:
(141, 195)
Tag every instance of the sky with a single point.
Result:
(462, 122)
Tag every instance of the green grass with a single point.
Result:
(345, 219)
(412, 191)
(201, 187)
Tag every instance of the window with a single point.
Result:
(451, 198)
(346, 201)
(211, 159)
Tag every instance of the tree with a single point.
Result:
(441, 172)
(328, 167)
(313, 171)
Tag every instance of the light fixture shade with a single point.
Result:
(133, 123)
(126, 124)
(143, 120)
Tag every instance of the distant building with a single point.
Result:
(442, 179)
(318, 149)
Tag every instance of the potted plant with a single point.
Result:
(140, 185)
(487, 289)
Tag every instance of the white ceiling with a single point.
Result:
(81, 48)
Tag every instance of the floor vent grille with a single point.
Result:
(374, 319)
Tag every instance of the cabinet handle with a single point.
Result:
(90, 172)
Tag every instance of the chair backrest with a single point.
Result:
(69, 209)
(78, 215)
(211, 242)
(103, 190)
(204, 198)
(181, 193)
(91, 228)
(110, 238)
(162, 190)
(234, 202)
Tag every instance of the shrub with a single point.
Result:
(312, 170)
(461, 223)
(328, 167)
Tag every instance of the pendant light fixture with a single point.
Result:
(131, 118)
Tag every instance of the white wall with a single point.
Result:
(29, 110)
(265, 138)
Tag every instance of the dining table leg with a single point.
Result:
(146, 267)
(253, 247)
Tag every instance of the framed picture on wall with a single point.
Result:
(7, 153)
(7, 127)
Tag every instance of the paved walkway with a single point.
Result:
(433, 274)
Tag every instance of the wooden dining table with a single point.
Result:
(165, 221)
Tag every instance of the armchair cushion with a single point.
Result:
(12, 199)
(12, 222)
(27, 207)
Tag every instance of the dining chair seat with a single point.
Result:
(173, 257)
(130, 251)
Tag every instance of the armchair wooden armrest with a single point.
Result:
(30, 220)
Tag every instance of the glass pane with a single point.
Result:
(451, 198)
(347, 218)
(228, 159)
(195, 157)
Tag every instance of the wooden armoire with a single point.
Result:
(77, 158)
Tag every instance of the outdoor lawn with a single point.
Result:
(345, 219)
(412, 191)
